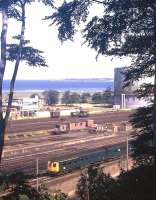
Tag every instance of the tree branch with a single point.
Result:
(2, 70)
(97, 1)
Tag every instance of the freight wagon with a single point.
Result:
(101, 128)
(81, 113)
(73, 126)
(63, 113)
(62, 166)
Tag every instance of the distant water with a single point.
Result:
(60, 85)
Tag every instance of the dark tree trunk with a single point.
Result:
(154, 116)
(154, 111)
(2, 70)
(2, 131)
(4, 121)
(12, 84)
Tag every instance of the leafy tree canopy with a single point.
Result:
(136, 184)
(95, 185)
(51, 97)
(32, 56)
(70, 97)
(126, 28)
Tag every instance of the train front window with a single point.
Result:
(54, 164)
(49, 163)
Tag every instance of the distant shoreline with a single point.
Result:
(85, 85)
(70, 79)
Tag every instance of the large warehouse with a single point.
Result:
(125, 97)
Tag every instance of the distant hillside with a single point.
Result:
(89, 79)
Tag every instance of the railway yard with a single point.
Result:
(48, 123)
(23, 147)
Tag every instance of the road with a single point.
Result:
(19, 126)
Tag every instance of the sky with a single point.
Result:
(65, 61)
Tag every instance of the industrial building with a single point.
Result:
(125, 97)
(24, 107)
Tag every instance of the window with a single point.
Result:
(50, 162)
(54, 164)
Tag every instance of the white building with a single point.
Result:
(125, 97)
(26, 106)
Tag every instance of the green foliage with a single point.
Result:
(32, 56)
(139, 183)
(85, 97)
(126, 28)
(82, 187)
(17, 52)
(69, 15)
(74, 98)
(51, 97)
(66, 97)
(58, 195)
(19, 189)
(17, 184)
(136, 184)
(48, 3)
(70, 98)
(16, 178)
(6, 3)
(97, 97)
(95, 185)
(9, 3)
(106, 97)
(142, 123)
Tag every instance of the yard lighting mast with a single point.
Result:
(127, 152)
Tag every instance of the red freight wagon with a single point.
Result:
(73, 126)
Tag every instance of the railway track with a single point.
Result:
(27, 162)
(19, 126)
(59, 178)
(54, 180)
(24, 158)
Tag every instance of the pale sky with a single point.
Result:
(67, 60)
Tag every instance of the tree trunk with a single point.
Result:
(154, 116)
(154, 111)
(12, 84)
(4, 121)
(2, 70)
(2, 131)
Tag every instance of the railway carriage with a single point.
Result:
(110, 152)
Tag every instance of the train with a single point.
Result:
(71, 164)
